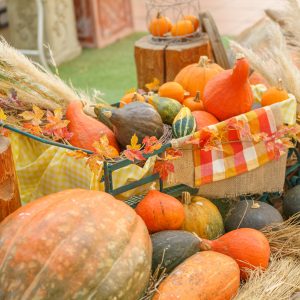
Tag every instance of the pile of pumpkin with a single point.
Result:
(79, 244)
(202, 94)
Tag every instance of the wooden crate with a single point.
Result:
(102, 22)
(165, 61)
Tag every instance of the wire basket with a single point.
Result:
(172, 11)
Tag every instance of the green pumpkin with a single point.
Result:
(167, 108)
(184, 123)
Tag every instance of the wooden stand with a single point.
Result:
(165, 61)
(9, 192)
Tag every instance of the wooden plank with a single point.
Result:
(9, 192)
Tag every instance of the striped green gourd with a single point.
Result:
(184, 123)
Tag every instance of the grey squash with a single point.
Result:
(172, 247)
(291, 202)
(246, 215)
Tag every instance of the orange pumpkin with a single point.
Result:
(75, 244)
(182, 27)
(205, 275)
(172, 90)
(160, 211)
(274, 94)
(194, 77)
(194, 20)
(194, 103)
(249, 247)
(229, 93)
(160, 25)
(87, 130)
(203, 119)
(131, 97)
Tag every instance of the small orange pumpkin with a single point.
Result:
(194, 103)
(194, 20)
(194, 77)
(203, 119)
(131, 97)
(160, 211)
(274, 94)
(172, 90)
(160, 25)
(182, 27)
(229, 93)
(249, 247)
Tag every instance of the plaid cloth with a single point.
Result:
(235, 158)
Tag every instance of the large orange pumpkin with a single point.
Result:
(75, 244)
(206, 275)
(172, 90)
(203, 119)
(160, 211)
(229, 93)
(194, 77)
(249, 247)
(160, 25)
(85, 129)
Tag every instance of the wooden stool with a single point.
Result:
(9, 192)
(165, 61)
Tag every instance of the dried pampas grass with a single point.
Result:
(274, 60)
(284, 238)
(280, 281)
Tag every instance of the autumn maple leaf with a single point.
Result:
(104, 150)
(3, 116)
(163, 168)
(172, 154)
(95, 164)
(153, 86)
(33, 129)
(133, 151)
(151, 144)
(35, 116)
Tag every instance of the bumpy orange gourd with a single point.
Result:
(229, 94)
(182, 27)
(75, 244)
(194, 102)
(194, 77)
(131, 97)
(205, 275)
(274, 94)
(86, 130)
(160, 25)
(194, 20)
(172, 90)
(160, 211)
(249, 247)
(203, 119)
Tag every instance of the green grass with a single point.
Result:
(110, 70)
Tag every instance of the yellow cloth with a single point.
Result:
(44, 169)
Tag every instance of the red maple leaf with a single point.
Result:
(163, 168)
(151, 144)
(134, 154)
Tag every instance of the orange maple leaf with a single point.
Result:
(35, 116)
(163, 168)
(151, 144)
(33, 129)
(153, 86)
(104, 150)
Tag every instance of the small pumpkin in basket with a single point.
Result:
(160, 25)
(85, 129)
(193, 19)
(206, 275)
(160, 211)
(201, 217)
(203, 119)
(172, 90)
(135, 118)
(184, 123)
(249, 247)
(182, 28)
(194, 102)
(131, 97)
(274, 94)
(194, 77)
(229, 93)
(75, 244)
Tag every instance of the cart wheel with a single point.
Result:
(209, 26)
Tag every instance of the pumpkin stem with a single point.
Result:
(158, 16)
(239, 56)
(280, 85)
(107, 114)
(203, 61)
(240, 71)
(186, 198)
(197, 97)
(203, 246)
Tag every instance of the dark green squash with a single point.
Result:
(291, 202)
(251, 214)
(172, 247)
(184, 123)
(135, 118)
(167, 108)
